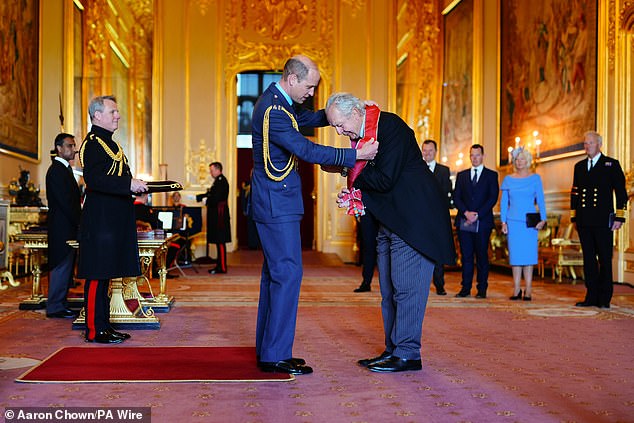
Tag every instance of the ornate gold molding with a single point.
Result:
(419, 44)
(354, 6)
(611, 41)
(627, 16)
(278, 35)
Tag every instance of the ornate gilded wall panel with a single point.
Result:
(262, 35)
(419, 66)
(118, 38)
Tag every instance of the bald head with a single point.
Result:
(300, 66)
(300, 78)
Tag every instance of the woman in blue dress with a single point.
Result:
(520, 191)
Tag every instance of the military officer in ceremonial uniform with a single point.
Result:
(277, 206)
(597, 179)
(107, 236)
(218, 223)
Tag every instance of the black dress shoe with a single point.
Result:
(121, 335)
(296, 360)
(585, 304)
(463, 294)
(441, 292)
(367, 361)
(105, 337)
(285, 366)
(395, 364)
(64, 314)
(481, 295)
(604, 306)
(363, 288)
(216, 271)
(516, 297)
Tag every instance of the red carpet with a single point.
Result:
(150, 364)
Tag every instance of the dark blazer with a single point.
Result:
(591, 197)
(281, 201)
(400, 191)
(218, 224)
(441, 172)
(107, 234)
(480, 199)
(64, 210)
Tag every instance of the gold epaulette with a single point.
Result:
(573, 213)
(292, 161)
(574, 191)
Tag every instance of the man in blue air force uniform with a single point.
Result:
(278, 207)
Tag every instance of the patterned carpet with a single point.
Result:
(490, 360)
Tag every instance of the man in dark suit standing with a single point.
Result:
(401, 193)
(475, 195)
(218, 223)
(276, 195)
(441, 172)
(64, 210)
(108, 245)
(597, 180)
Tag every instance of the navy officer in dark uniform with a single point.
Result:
(276, 194)
(107, 236)
(597, 179)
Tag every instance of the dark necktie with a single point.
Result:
(70, 169)
(474, 180)
(589, 165)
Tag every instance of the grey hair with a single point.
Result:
(96, 104)
(346, 103)
(595, 135)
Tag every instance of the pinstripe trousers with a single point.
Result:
(404, 276)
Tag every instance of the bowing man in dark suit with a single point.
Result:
(597, 180)
(399, 191)
(474, 196)
(277, 207)
(108, 246)
(64, 210)
(441, 172)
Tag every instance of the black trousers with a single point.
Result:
(597, 245)
(367, 230)
(96, 306)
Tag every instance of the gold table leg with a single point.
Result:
(121, 316)
(36, 300)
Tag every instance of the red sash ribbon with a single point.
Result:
(355, 206)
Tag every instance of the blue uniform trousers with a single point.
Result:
(279, 290)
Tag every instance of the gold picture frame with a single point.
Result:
(548, 76)
(458, 84)
(20, 80)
